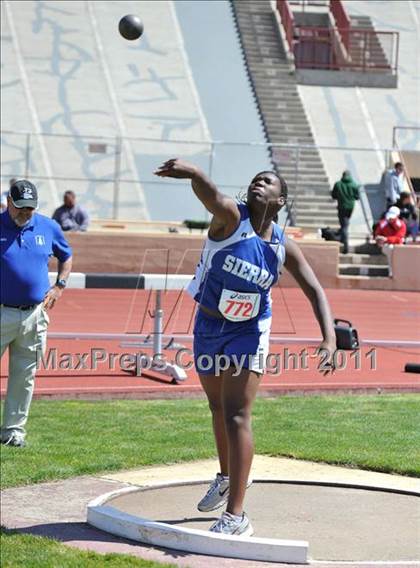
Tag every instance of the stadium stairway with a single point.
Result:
(283, 114)
(376, 56)
(356, 264)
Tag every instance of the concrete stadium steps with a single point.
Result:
(309, 211)
(317, 201)
(314, 195)
(308, 206)
(313, 224)
(292, 164)
(312, 220)
(305, 208)
(299, 126)
(363, 270)
(375, 55)
(304, 178)
(367, 259)
(370, 265)
(312, 203)
(283, 113)
(284, 130)
(312, 214)
(309, 157)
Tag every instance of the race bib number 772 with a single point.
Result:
(239, 306)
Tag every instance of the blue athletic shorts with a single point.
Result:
(219, 344)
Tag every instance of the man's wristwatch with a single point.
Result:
(61, 283)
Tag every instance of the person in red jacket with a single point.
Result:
(390, 231)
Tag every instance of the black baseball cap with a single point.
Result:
(24, 194)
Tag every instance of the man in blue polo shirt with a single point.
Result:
(28, 240)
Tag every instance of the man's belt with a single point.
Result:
(24, 308)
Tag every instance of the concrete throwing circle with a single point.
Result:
(341, 522)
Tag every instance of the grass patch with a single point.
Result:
(69, 438)
(380, 433)
(35, 551)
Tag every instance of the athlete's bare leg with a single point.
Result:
(212, 386)
(238, 395)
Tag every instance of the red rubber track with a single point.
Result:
(376, 315)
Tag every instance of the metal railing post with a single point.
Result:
(211, 159)
(297, 155)
(158, 325)
(27, 154)
(211, 164)
(397, 50)
(394, 136)
(364, 51)
(297, 184)
(117, 172)
(363, 201)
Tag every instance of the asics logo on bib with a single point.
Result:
(247, 271)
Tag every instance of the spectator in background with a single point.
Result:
(408, 214)
(345, 191)
(3, 198)
(394, 183)
(389, 232)
(70, 216)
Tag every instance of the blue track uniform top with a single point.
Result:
(242, 267)
(25, 252)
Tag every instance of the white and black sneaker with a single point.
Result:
(15, 440)
(233, 525)
(217, 494)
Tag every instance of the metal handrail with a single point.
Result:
(287, 20)
(401, 154)
(203, 143)
(291, 151)
(342, 21)
(319, 34)
(395, 130)
(368, 219)
(407, 177)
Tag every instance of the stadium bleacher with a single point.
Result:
(90, 112)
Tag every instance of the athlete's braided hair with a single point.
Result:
(283, 189)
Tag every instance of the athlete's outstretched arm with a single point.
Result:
(298, 266)
(221, 206)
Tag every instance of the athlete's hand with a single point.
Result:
(325, 351)
(176, 168)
